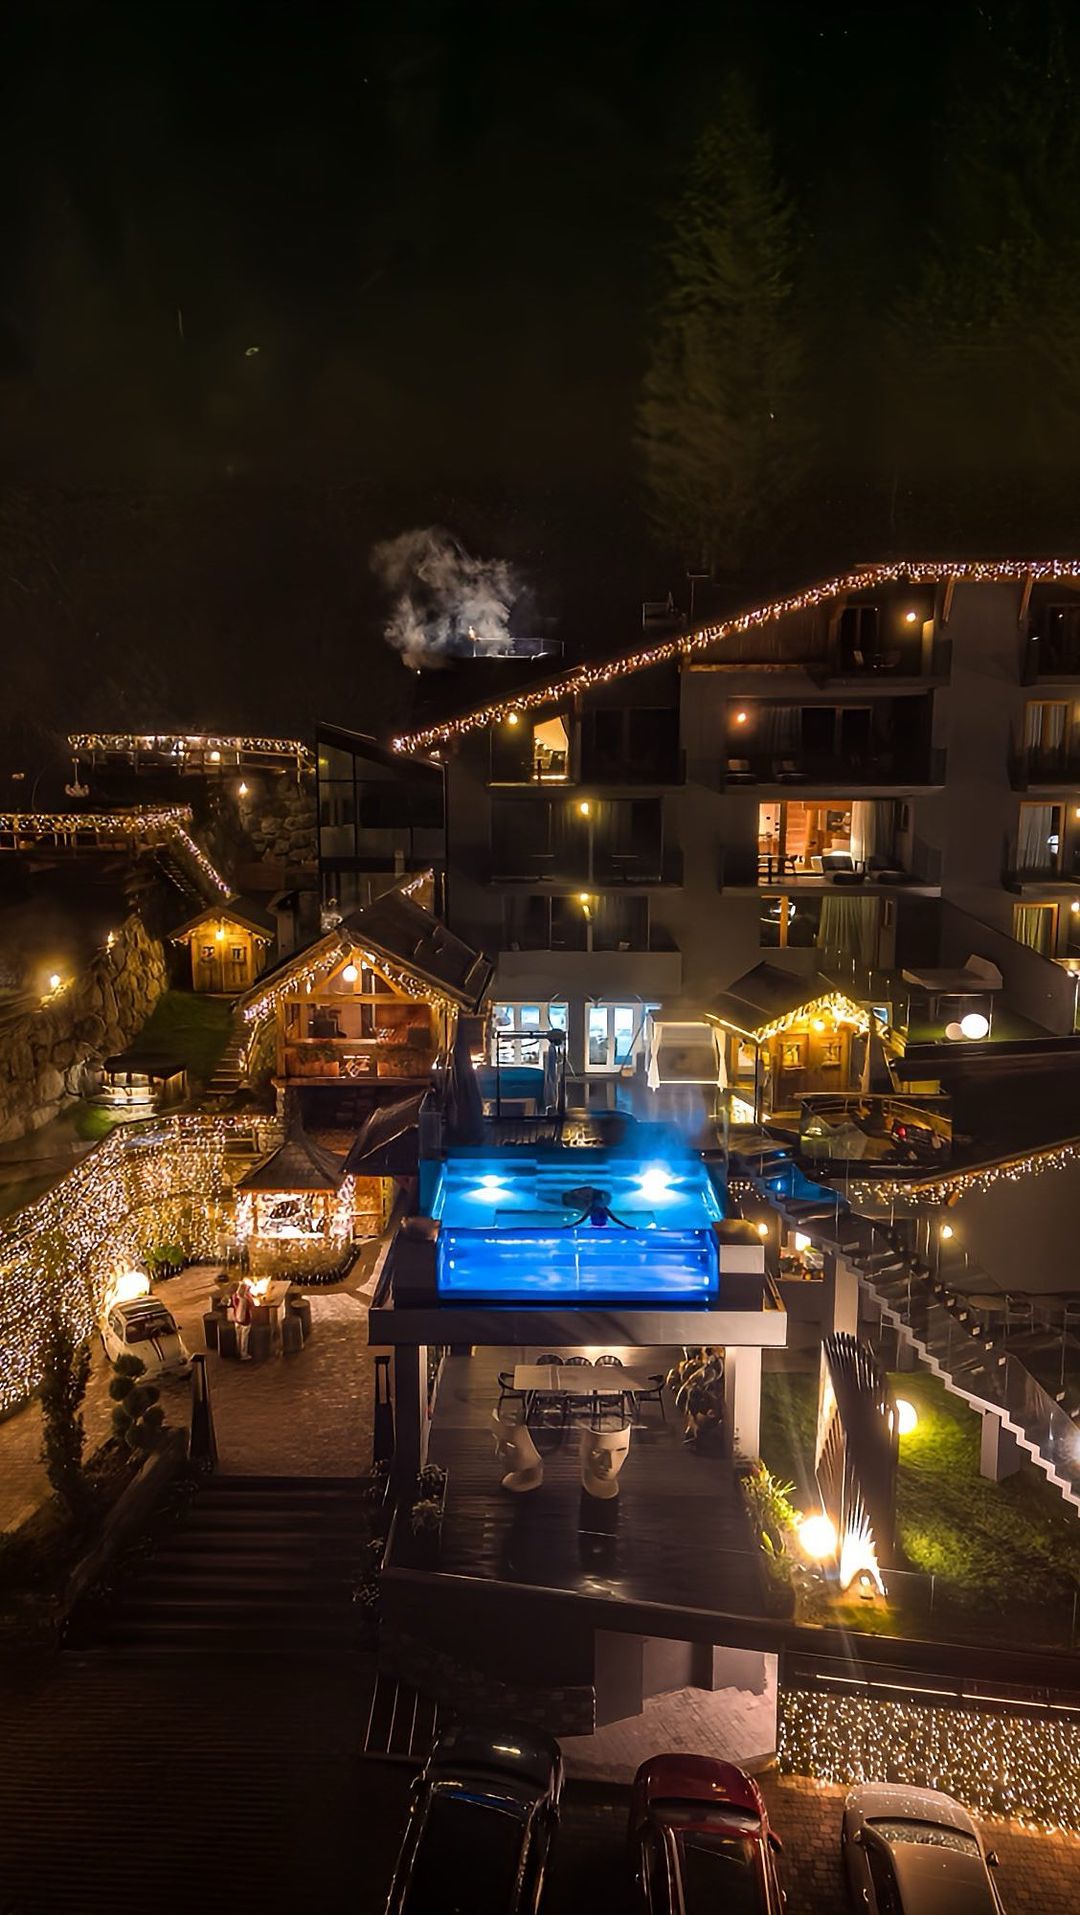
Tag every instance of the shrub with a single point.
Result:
(65, 1375)
(138, 1418)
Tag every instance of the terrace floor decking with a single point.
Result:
(676, 1535)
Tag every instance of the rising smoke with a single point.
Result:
(443, 598)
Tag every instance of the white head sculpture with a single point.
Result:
(514, 1445)
(603, 1453)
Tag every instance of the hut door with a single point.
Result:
(208, 967)
(237, 964)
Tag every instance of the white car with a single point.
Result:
(143, 1327)
(915, 1852)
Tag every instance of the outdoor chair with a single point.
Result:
(508, 1394)
(609, 1363)
(654, 1394)
(552, 1360)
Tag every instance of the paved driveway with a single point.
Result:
(310, 1414)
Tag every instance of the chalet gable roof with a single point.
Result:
(242, 911)
(686, 645)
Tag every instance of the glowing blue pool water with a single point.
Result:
(512, 1231)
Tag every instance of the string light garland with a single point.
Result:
(176, 745)
(1024, 1767)
(331, 953)
(687, 645)
(145, 826)
(168, 1180)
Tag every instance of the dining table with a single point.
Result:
(578, 1379)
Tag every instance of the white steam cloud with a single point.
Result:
(443, 598)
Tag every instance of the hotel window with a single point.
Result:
(528, 751)
(1046, 730)
(615, 1034)
(798, 839)
(516, 1029)
(1039, 839)
(1036, 926)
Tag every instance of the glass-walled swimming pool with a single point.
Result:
(597, 1226)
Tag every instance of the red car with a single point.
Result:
(700, 1840)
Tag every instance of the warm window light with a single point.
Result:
(946, 1231)
(975, 1025)
(763, 1229)
(907, 1416)
(910, 618)
(817, 1534)
(585, 807)
(802, 1242)
(513, 718)
(350, 974)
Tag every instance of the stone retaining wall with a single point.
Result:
(44, 1053)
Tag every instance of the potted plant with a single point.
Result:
(697, 1383)
(426, 1514)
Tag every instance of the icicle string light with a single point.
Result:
(159, 825)
(865, 579)
(321, 962)
(165, 1181)
(176, 745)
(1024, 1767)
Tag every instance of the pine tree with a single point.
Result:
(717, 419)
(984, 357)
(65, 1374)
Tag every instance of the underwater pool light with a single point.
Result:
(654, 1181)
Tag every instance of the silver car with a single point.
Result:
(143, 1327)
(915, 1852)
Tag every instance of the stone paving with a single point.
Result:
(310, 1414)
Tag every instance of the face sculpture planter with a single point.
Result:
(514, 1445)
(603, 1453)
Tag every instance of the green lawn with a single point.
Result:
(1015, 1542)
(191, 1028)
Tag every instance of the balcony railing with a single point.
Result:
(357, 1058)
(1037, 765)
(877, 767)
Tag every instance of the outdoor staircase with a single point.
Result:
(176, 871)
(229, 1070)
(1018, 1375)
(257, 1565)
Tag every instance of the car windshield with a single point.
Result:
(933, 1834)
(468, 1858)
(721, 1872)
(150, 1323)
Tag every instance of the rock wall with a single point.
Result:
(44, 1053)
(278, 816)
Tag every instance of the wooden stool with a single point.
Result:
(261, 1341)
(292, 1333)
(300, 1308)
(227, 1340)
(211, 1324)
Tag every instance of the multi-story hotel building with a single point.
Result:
(878, 775)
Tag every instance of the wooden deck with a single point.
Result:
(676, 1534)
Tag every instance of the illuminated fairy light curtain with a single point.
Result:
(168, 1181)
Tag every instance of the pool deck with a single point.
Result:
(676, 1535)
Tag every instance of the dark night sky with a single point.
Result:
(438, 225)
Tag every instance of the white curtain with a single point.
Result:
(1033, 848)
(1032, 925)
(1044, 726)
(873, 829)
(848, 926)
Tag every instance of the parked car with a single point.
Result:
(700, 1840)
(915, 1852)
(481, 1825)
(143, 1327)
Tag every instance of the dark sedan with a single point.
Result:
(700, 1840)
(481, 1825)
